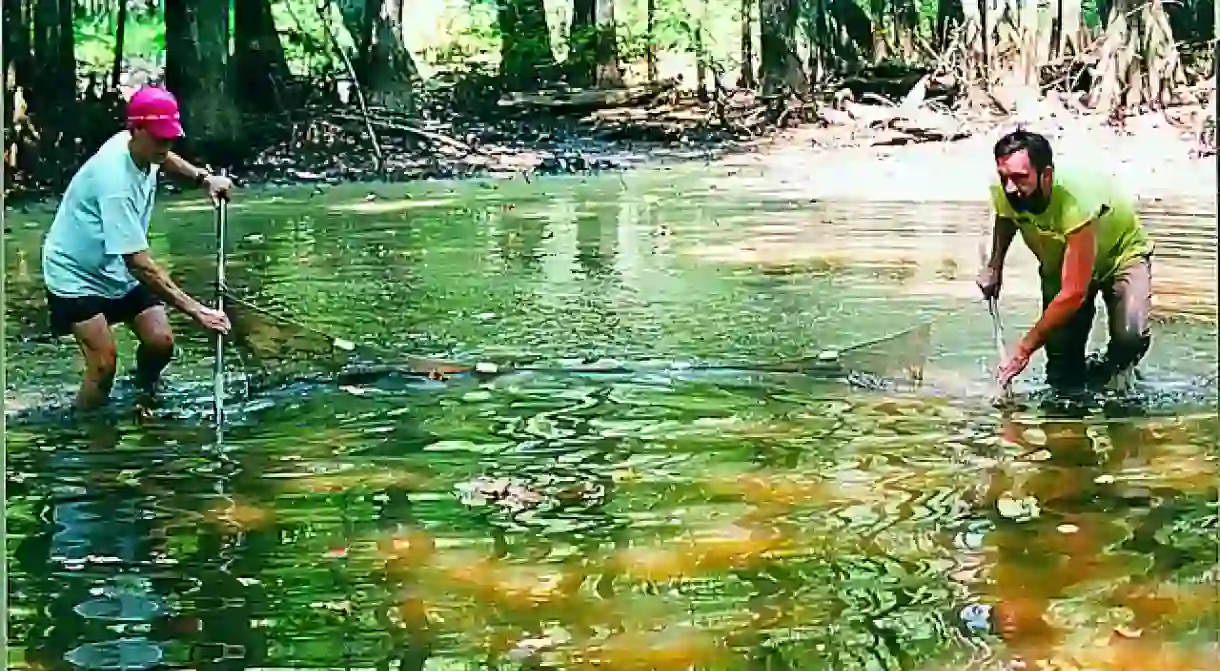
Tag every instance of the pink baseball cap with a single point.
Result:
(156, 110)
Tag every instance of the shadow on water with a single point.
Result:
(651, 519)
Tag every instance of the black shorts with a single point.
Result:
(64, 312)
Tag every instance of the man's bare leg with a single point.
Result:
(156, 347)
(101, 360)
(1128, 308)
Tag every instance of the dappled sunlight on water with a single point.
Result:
(644, 513)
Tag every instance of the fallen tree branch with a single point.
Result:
(407, 128)
(321, 8)
(586, 99)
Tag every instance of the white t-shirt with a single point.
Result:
(104, 215)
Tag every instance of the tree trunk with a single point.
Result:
(526, 58)
(609, 74)
(386, 71)
(701, 91)
(813, 60)
(824, 44)
(650, 50)
(1209, 131)
(392, 73)
(1033, 52)
(259, 66)
(989, 13)
(353, 15)
(822, 32)
(905, 17)
(53, 81)
(882, 48)
(15, 54)
(197, 72)
(120, 34)
(780, 69)
(1070, 27)
(1055, 46)
(593, 56)
(1138, 64)
(370, 10)
(51, 93)
(1018, 39)
(747, 79)
(949, 15)
(16, 61)
(582, 41)
(974, 36)
(854, 35)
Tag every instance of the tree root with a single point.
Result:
(1138, 64)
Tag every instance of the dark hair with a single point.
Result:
(1037, 146)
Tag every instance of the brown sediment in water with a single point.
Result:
(710, 550)
(1157, 603)
(673, 648)
(239, 515)
(354, 480)
(1116, 649)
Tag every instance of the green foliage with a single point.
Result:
(143, 39)
(457, 34)
(303, 36)
(1092, 13)
(460, 32)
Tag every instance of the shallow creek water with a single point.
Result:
(665, 519)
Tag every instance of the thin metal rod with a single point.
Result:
(997, 328)
(218, 373)
(997, 335)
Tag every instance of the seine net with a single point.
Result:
(275, 349)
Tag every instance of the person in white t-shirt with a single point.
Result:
(95, 258)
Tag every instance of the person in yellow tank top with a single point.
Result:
(1088, 239)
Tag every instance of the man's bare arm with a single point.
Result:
(153, 276)
(176, 165)
(1075, 277)
(1002, 234)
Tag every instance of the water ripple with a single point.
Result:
(658, 515)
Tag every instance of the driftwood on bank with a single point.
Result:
(588, 99)
(914, 119)
(682, 117)
(403, 127)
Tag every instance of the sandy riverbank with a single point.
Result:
(1152, 157)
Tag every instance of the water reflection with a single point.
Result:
(105, 558)
(1072, 548)
(655, 520)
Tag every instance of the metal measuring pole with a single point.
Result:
(218, 373)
